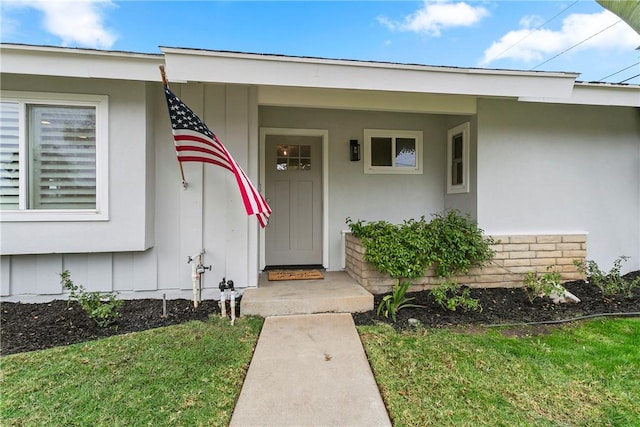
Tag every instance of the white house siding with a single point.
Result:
(535, 168)
(357, 195)
(129, 170)
(155, 224)
(209, 213)
(553, 169)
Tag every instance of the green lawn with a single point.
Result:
(191, 374)
(582, 375)
(183, 375)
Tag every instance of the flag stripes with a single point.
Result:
(194, 142)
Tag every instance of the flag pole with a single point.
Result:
(163, 75)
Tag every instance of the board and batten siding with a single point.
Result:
(208, 214)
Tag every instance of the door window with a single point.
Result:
(293, 157)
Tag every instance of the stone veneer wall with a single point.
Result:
(515, 256)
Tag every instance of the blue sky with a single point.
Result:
(519, 35)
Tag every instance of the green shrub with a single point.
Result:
(451, 296)
(457, 244)
(611, 283)
(549, 283)
(400, 250)
(103, 308)
(397, 300)
(450, 243)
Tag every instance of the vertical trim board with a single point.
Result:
(145, 271)
(122, 271)
(238, 222)
(48, 268)
(215, 192)
(191, 198)
(100, 272)
(5, 275)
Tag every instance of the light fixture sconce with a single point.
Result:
(354, 150)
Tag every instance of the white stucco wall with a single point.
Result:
(357, 195)
(545, 169)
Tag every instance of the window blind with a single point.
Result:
(62, 157)
(9, 155)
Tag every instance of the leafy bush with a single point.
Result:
(451, 243)
(397, 300)
(536, 286)
(457, 244)
(103, 308)
(610, 283)
(400, 250)
(450, 296)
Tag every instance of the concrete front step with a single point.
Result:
(336, 293)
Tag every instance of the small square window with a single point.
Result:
(392, 151)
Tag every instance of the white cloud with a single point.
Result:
(437, 15)
(531, 21)
(77, 22)
(536, 45)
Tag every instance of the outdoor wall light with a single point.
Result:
(354, 150)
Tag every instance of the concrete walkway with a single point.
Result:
(309, 370)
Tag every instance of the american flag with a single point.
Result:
(196, 143)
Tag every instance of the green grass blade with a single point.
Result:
(582, 375)
(188, 374)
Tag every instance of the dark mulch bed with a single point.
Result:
(509, 306)
(27, 327)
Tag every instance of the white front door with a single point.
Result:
(293, 181)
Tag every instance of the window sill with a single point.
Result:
(392, 171)
(458, 189)
(53, 215)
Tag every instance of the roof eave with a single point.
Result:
(596, 94)
(275, 70)
(83, 63)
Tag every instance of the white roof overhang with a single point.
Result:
(85, 63)
(301, 72)
(324, 83)
(596, 94)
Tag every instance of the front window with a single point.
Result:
(52, 156)
(392, 151)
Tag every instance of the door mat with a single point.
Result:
(295, 275)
